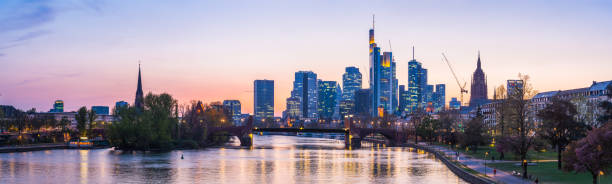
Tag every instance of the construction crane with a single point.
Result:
(462, 88)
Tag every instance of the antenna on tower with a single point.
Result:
(390, 48)
(373, 21)
(412, 52)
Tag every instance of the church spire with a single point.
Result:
(478, 67)
(138, 102)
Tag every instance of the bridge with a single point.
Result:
(352, 135)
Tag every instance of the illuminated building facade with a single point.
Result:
(264, 99)
(305, 88)
(327, 99)
(100, 110)
(58, 106)
(383, 83)
(235, 110)
(351, 82)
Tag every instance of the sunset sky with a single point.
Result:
(87, 52)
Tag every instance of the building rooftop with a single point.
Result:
(600, 85)
(546, 94)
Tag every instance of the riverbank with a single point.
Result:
(468, 174)
(33, 147)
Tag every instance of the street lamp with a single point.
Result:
(485, 162)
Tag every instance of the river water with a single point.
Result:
(273, 159)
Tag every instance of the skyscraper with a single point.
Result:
(362, 102)
(235, 109)
(415, 86)
(351, 82)
(440, 97)
(305, 88)
(264, 99)
(403, 99)
(327, 99)
(383, 83)
(478, 93)
(138, 102)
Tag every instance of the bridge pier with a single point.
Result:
(246, 140)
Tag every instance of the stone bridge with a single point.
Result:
(352, 135)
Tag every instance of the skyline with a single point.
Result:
(89, 64)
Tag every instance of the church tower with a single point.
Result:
(138, 102)
(478, 95)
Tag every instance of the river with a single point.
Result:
(273, 159)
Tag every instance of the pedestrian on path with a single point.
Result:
(537, 181)
(494, 171)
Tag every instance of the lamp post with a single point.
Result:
(485, 162)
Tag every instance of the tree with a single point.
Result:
(81, 119)
(592, 154)
(91, 118)
(448, 127)
(64, 122)
(427, 128)
(558, 125)
(501, 113)
(520, 131)
(606, 106)
(474, 134)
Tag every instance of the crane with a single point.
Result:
(462, 88)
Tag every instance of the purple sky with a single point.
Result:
(86, 52)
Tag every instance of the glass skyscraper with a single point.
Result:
(305, 88)
(440, 97)
(327, 99)
(351, 82)
(383, 83)
(415, 86)
(264, 99)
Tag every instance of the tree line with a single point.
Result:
(580, 146)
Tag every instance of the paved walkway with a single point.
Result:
(478, 165)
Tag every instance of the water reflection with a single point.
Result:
(273, 159)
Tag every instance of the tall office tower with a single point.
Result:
(139, 101)
(235, 109)
(428, 98)
(327, 99)
(440, 100)
(264, 99)
(383, 86)
(336, 114)
(362, 102)
(415, 86)
(294, 108)
(403, 98)
(351, 82)
(424, 91)
(305, 88)
(478, 93)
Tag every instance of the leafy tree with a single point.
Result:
(558, 125)
(606, 106)
(145, 129)
(520, 131)
(474, 134)
(81, 119)
(91, 118)
(592, 154)
(64, 122)
(448, 127)
(427, 128)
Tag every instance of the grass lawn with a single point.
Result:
(547, 172)
(531, 155)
